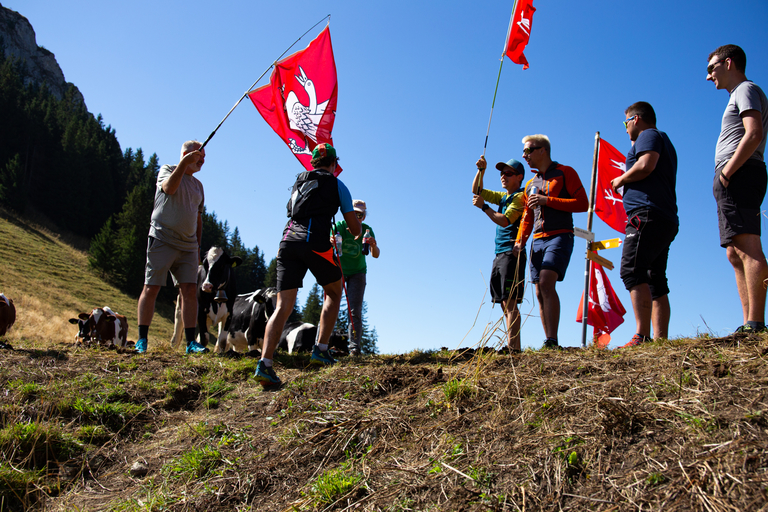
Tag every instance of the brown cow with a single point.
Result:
(102, 326)
(7, 317)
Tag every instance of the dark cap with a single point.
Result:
(513, 164)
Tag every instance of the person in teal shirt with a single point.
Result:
(354, 268)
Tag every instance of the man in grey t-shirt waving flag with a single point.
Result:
(175, 233)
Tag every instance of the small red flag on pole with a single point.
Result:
(520, 31)
(300, 101)
(609, 205)
(606, 312)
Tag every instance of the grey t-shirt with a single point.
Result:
(174, 218)
(745, 96)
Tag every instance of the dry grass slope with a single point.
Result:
(50, 282)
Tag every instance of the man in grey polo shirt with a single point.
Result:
(175, 233)
(740, 179)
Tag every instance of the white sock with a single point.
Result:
(267, 362)
(322, 347)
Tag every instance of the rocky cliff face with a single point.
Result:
(17, 39)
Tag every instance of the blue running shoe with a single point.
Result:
(266, 376)
(194, 347)
(321, 356)
(141, 346)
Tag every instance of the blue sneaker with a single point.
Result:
(321, 356)
(266, 376)
(141, 346)
(194, 347)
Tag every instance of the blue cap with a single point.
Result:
(513, 164)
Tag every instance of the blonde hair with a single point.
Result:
(190, 145)
(539, 139)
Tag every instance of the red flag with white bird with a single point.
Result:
(605, 312)
(609, 205)
(300, 101)
(519, 31)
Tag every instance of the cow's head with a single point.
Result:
(83, 328)
(217, 272)
(268, 297)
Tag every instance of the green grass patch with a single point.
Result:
(194, 464)
(35, 445)
(333, 484)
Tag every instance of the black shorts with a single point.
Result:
(646, 250)
(295, 258)
(738, 206)
(508, 277)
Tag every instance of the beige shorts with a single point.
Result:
(163, 258)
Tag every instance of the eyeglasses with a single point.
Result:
(628, 120)
(531, 149)
(712, 66)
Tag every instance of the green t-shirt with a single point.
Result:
(352, 257)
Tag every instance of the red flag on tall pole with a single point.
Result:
(609, 205)
(520, 31)
(300, 101)
(606, 312)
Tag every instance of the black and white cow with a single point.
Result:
(216, 291)
(249, 319)
(300, 337)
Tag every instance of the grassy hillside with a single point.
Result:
(49, 282)
(672, 425)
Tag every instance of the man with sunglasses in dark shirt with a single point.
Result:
(652, 223)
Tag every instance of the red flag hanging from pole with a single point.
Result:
(520, 31)
(609, 205)
(300, 101)
(605, 312)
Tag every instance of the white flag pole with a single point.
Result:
(498, 78)
(257, 80)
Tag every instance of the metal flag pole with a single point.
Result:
(588, 269)
(498, 79)
(262, 76)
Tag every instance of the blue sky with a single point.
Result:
(416, 81)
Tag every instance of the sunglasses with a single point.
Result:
(712, 67)
(628, 120)
(359, 215)
(531, 149)
(509, 174)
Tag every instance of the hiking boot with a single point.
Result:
(354, 351)
(748, 329)
(550, 344)
(636, 340)
(194, 347)
(141, 346)
(266, 376)
(322, 357)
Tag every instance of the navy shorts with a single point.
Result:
(646, 250)
(508, 277)
(551, 253)
(738, 206)
(295, 258)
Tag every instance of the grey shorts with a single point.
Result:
(163, 258)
